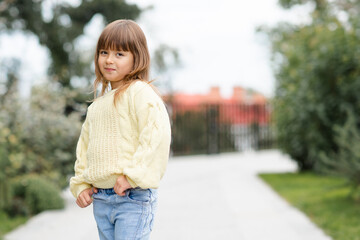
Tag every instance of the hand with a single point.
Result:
(84, 199)
(121, 185)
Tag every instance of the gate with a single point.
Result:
(216, 128)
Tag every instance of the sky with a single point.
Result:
(216, 41)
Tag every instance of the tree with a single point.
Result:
(166, 59)
(65, 26)
(317, 71)
(59, 34)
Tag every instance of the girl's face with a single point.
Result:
(115, 65)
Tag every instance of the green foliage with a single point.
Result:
(59, 32)
(36, 138)
(324, 8)
(318, 78)
(319, 4)
(51, 136)
(33, 194)
(323, 199)
(165, 61)
(41, 195)
(346, 161)
(11, 149)
(9, 223)
(5, 198)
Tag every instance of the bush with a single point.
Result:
(346, 161)
(317, 80)
(33, 194)
(36, 139)
(50, 136)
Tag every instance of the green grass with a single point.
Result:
(8, 224)
(325, 200)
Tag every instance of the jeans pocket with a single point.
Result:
(99, 196)
(139, 195)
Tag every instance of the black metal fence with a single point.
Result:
(216, 128)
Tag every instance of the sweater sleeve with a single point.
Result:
(77, 183)
(151, 156)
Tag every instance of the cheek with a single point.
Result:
(127, 67)
(131, 65)
(98, 67)
(99, 62)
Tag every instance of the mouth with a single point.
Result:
(109, 69)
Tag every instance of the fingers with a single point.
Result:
(84, 199)
(121, 185)
(78, 202)
(122, 191)
(119, 190)
(83, 202)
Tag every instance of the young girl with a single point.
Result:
(124, 143)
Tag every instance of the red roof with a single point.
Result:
(243, 107)
(239, 95)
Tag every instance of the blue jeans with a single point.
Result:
(128, 217)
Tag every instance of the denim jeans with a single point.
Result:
(128, 217)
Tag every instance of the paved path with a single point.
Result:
(201, 197)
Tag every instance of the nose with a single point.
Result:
(109, 59)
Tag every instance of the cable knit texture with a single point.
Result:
(131, 138)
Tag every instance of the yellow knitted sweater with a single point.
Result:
(131, 138)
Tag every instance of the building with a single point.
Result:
(245, 115)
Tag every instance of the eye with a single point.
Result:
(103, 52)
(119, 54)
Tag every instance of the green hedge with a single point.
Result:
(33, 194)
(318, 82)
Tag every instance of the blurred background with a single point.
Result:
(235, 76)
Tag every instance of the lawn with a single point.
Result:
(8, 224)
(325, 200)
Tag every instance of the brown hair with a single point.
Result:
(123, 35)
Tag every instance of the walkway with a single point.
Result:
(201, 197)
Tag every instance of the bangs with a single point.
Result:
(124, 35)
(116, 39)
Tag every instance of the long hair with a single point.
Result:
(123, 35)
